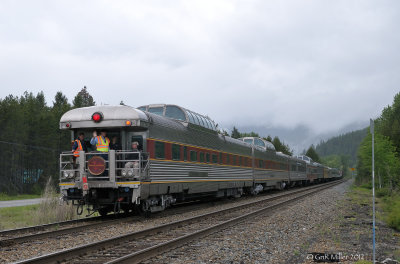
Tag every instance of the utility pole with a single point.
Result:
(373, 190)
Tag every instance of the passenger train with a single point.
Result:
(181, 157)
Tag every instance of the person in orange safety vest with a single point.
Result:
(79, 145)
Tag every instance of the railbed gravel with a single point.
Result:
(40, 247)
(272, 238)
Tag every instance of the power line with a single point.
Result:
(29, 146)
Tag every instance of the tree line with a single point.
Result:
(346, 144)
(30, 139)
(386, 148)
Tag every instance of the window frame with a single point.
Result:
(158, 144)
(175, 149)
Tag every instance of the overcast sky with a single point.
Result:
(324, 64)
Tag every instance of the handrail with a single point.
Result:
(120, 165)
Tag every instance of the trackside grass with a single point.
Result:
(48, 211)
(388, 203)
(6, 197)
(392, 211)
(13, 217)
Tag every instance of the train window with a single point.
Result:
(199, 120)
(207, 157)
(212, 125)
(184, 153)
(250, 141)
(209, 124)
(233, 159)
(201, 156)
(196, 120)
(175, 112)
(259, 142)
(260, 163)
(214, 158)
(157, 110)
(160, 150)
(205, 122)
(294, 167)
(142, 108)
(220, 158)
(176, 152)
(191, 118)
(240, 161)
(193, 155)
(227, 159)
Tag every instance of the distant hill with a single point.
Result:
(345, 144)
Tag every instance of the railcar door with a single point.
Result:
(141, 138)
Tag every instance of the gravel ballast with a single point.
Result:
(284, 236)
(39, 247)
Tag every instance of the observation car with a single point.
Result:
(181, 157)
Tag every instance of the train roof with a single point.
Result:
(179, 113)
(113, 116)
(259, 142)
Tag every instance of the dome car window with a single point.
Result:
(250, 141)
(174, 112)
(157, 110)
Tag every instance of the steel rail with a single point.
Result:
(50, 225)
(64, 255)
(156, 250)
(110, 219)
(68, 230)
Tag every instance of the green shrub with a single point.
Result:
(382, 192)
(366, 185)
(393, 217)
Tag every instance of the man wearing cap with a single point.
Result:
(134, 157)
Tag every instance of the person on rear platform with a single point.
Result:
(79, 145)
(134, 158)
(102, 142)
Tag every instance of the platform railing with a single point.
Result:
(119, 166)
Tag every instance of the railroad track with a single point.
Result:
(138, 246)
(21, 235)
(54, 230)
(12, 233)
(51, 230)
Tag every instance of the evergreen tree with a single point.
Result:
(251, 134)
(281, 147)
(387, 163)
(235, 133)
(313, 154)
(83, 99)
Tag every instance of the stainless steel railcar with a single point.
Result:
(182, 157)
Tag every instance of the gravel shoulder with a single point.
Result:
(327, 222)
(273, 238)
(349, 232)
(39, 247)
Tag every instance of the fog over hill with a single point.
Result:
(299, 137)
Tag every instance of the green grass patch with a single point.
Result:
(13, 217)
(392, 211)
(6, 197)
(388, 204)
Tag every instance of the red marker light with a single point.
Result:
(67, 125)
(96, 117)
